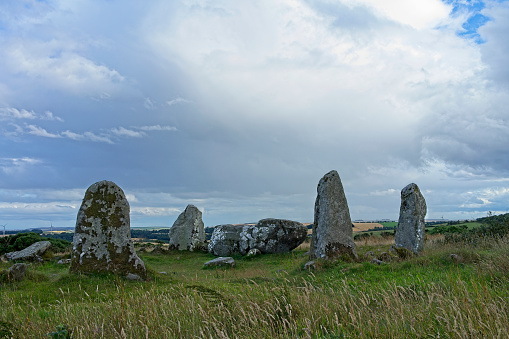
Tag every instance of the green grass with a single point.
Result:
(271, 296)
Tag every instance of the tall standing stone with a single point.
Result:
(332, 228)
(188, 232)
(410, 232)
(102, 238)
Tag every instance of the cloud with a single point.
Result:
(390, 191)
(40, 132)
(415, 13)
(87, 136)
(17, 165)
(97, 138)
(157, 128)
(178, 100)
(49, 116)
(496, 47)
(57, 65)
(124, 132)
(11, 113)
(149, 104)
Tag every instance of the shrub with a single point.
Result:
(20, 241)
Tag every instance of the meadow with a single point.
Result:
(272, 296)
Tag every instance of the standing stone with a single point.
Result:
(332, 228)
(102, 238)
(188, 232)
(410, 232)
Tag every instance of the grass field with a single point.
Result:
(271, 296)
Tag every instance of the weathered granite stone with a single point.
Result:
(410, 231)
(385, 257)
(221, 261)
(403, 253)
(31, 253)
(64, 261)
(133, 277)
(188, 232)
(377, 262)
(457, 259)
(310, 265)
(159, 250)
(253, 252)
(369, 254)
(332, 228)
(102, 238)
(268, 236)
(16, 272)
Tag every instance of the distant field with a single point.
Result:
(390, 224)
(365, 226)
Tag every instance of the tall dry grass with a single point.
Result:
(400, 300)
(292, 309)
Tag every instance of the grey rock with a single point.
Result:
(159, 250)
(377, 262)
(268, 236)
(385, 257)
(410, 231)
(457, 259)
(332, 228)
(221, 261)
(64, 261)
(31, 253)
(102, 238)
(16, 272)
(310, 265)
(188, 231)
(403, 253)
(253, 252)
(133, 277)
(369, 254)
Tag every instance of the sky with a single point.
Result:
(240, 107)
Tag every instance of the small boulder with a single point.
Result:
(369, 254)
(31, 253)
(457, 259)
(253, 252)
(310, 265)
(64, 261)
(385, 257)
(221, 261)
(377, 262)
(159, 250)
(16, 272)
(188, 231)
(403, 253)
(133, 277)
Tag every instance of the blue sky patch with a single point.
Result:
(475, 20)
